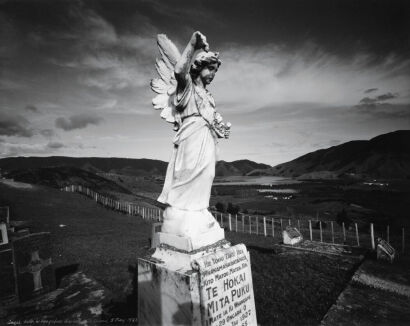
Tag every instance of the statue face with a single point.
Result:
(207, 74)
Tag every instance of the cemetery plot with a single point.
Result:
(34, 270)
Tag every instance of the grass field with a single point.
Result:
(290, 287)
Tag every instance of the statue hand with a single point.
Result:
(227, 133)
(198, 41)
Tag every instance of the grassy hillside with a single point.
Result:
(289, 287)
(92, 164)
(385, 156)
(62, 176)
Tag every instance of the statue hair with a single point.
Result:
(202, 60)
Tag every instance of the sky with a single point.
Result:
(296, 76)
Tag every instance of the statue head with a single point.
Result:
(205, 65)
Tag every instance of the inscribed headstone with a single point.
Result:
(7, 279)
(226, 290)
(34, 270)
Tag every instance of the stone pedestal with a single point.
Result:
(183, 284)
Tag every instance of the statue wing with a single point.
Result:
(165, 85)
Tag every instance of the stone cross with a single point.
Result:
(35, 266)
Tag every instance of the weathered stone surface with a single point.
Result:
(291, 236)
(33, 264)
(165, 296)
(226, 287)
(215, 288)
(385, 251)
(190, 244)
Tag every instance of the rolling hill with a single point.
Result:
(120, 166)
(241, 167)
(125, 166)
(58, 177)
(385, 156)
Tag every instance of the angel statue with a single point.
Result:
(189, 106)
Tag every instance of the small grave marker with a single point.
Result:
(34, 270)
(385, 251)
(291, 236)
(156, 227)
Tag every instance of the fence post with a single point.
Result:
(357, 235)
(372, 236)
(333, 235)
(250, 225)
(299, 226)
(243, 223)
(310, 230)
(236, 222)
(257, 224)
(289, 222)
(273, 227)
(264, 226)
(388, 233)
(402, 240)
(230, 222)
(281, 225)
(222, 220)
(344, 231)
(320, 226)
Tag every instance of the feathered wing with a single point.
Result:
(165, 85)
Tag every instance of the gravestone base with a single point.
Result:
(208, 286)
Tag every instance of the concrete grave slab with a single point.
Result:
(292, 236)
(385, 251)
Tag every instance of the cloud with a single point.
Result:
(370, 90)
(31, 108)
(47, 132)
(378, 99)
(78, 121)
(387, 96)
(17, 149)
(55, 145)
(15, 125)
(385, 110)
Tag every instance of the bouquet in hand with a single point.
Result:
(221, 129)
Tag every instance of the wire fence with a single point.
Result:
(363, 235)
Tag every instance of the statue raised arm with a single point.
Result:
(185, 102)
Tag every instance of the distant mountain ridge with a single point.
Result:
(91, 164)
(384, 156)
(127, 166)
